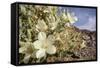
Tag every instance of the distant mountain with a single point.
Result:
(84, 30)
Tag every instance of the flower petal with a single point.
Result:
(22, 49)
(68, 24)
(41, 25)
(44, 26)
(40, 53)
(50, 39)
(42, 36)
(72, 19)
(37, 44)
(51, 49)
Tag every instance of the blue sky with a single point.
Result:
(86, 17)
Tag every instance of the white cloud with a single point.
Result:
(90, 25)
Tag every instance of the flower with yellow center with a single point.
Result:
(44, 45)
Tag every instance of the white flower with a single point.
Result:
(26, 49)
(41, 25)
(69, 17)
(72, 18)
(44, 45)
(64, 16)
(68, 24)
(53, 21)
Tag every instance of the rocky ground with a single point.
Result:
(86, 53)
